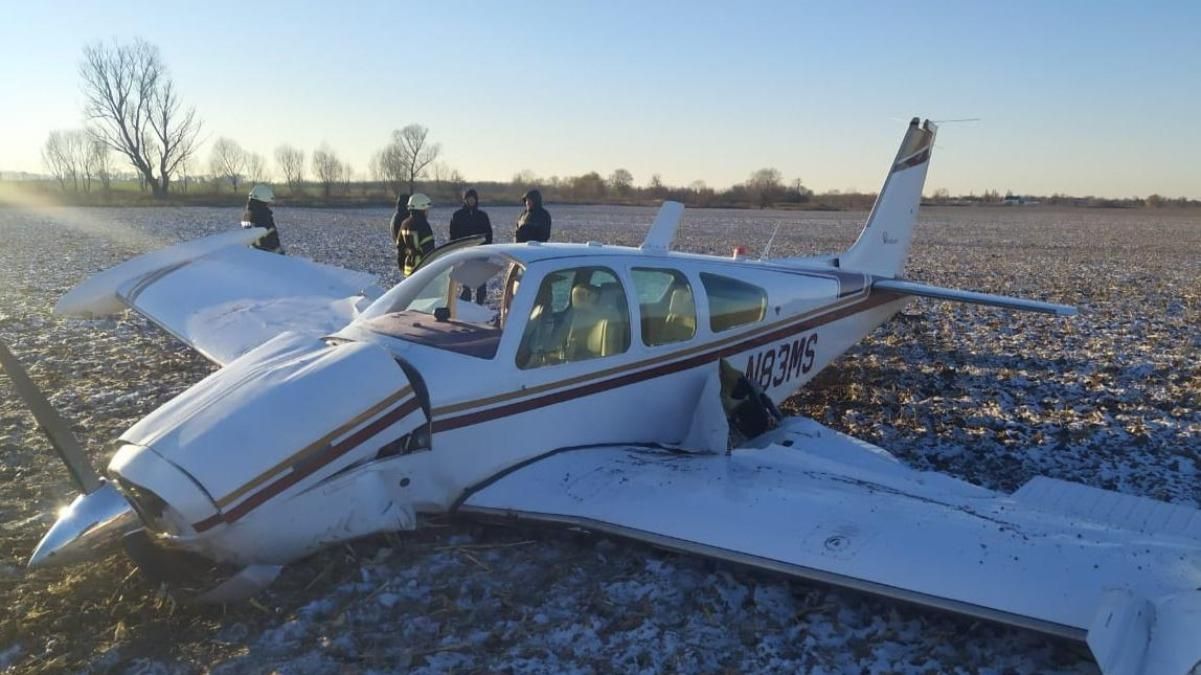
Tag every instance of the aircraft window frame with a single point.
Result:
(728, 290)
(571, 329)
(661, 330)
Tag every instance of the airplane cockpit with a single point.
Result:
(428, 309)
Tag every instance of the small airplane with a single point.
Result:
(615, 389)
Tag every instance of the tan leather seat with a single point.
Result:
(598, 327)
(680, 323)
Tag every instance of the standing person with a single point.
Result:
(402, 212)
(534, 223)
(416, 238)
(467, 222)
(258, 214)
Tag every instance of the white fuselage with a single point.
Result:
(266, 445)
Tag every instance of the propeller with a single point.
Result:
(101, 515)
(52, 424)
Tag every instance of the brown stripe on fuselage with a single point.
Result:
(313, 447)
(674, 366)
(530, 391)
(665, 365)
(303, 469)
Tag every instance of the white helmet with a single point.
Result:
(263, 193)
(419, 202)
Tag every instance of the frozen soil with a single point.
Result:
(1111, 398)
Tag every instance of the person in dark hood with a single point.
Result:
(470, 221)
(534, 222)
(415, 239)
(258, 214)
(398, 218)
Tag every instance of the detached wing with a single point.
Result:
(222, 298)
(829, 508)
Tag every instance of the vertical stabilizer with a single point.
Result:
(883, 244)
(663, 230)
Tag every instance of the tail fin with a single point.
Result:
(883, 245)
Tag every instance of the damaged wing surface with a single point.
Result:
(224, 299)
(820, 505)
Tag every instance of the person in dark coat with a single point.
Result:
(415, 239)
(467, 222)
(258, 214)
(402, 212)
(534, 222)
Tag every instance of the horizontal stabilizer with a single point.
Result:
(1111, 509)
(956, 295)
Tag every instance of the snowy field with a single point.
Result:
(1111, 398)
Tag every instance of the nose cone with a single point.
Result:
(89, 524)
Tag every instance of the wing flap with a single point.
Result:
(832, 509)
(956, 295)
(224, 299)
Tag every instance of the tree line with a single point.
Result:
(133, 111)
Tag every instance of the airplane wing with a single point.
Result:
(1057, 557)
(221, 297)
(941, 293)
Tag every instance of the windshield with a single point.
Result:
(458, 304)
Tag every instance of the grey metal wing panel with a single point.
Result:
(820, 505)
(224, 299)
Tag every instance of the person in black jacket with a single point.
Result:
(402, 212)
(534, 223)
(415, 239)
(467, 222)
(258, 214)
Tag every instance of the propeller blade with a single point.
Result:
(52, 424)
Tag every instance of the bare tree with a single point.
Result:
(57, 159)
(406, 157)
(417, 152)
(291, 164)
(327, 167)
(347, 177)
(620, 181)
(227, 161)
(66, 155)
(134, 108)
(256, 167)
(765, 186)
(100, 163)
(525, 178)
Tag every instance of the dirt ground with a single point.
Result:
(1111, 398)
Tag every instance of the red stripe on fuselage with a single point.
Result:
(310, 465)
(470, 419)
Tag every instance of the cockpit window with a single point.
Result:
(578, 314)
(428, 309)
(666, 304)
(732, 303)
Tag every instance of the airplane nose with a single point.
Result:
(92, 522)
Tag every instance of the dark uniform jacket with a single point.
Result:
(468, 222)
(402, 212)
(414, 241)
(258, 214)
(534, 223)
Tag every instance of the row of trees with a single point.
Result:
(76, 159)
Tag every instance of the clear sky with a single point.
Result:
(1080, 97)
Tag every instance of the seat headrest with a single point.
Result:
(583, 296)
(681, 302)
